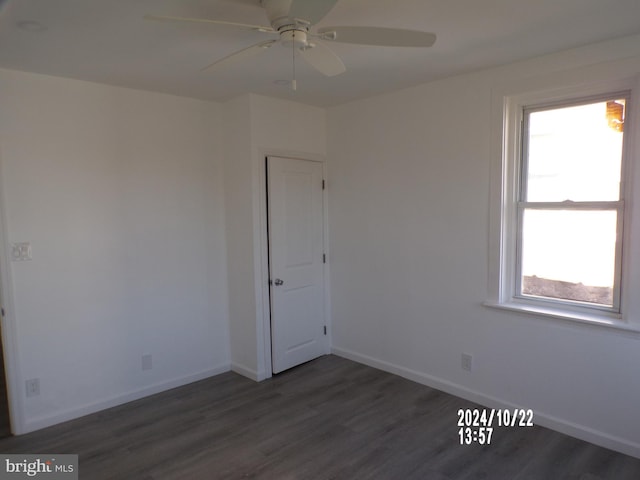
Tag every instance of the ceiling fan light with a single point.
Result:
(295, 37)
(332, 35)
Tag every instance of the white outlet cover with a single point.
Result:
(21, 252)
(147, 362)
(33, 387)
(467, 362)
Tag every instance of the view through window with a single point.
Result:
(570, 208)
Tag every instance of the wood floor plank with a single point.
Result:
(328, 419)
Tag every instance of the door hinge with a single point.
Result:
(324, 258)
(323, 184)
(325, 329)
(2, 310)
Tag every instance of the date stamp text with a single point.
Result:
(476, 425)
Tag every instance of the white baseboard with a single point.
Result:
(244, 371)
(250, 373)
(47, 421)
(563, 426)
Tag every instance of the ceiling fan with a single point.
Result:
(291, 23)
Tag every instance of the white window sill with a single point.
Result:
(605, 320)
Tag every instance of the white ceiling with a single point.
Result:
(108, 41)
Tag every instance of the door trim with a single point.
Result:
(9, 337)
(261, 262)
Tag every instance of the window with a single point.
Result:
(564, 218)
(569, 204)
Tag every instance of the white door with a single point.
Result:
(296, 257)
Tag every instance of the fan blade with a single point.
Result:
(380, 36)
(323, 59)
(239, 56)
(163, 18)
(311, 10)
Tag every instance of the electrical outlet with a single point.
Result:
(147, 362)
(467, 362)
(33, 387)
(21, 251)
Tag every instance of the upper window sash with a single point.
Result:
(523, 166)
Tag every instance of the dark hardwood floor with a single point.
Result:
(328, 419)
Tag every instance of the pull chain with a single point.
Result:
(294, 84)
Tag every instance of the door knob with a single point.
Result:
(278, 282)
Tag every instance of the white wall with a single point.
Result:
(120, 193)
(409, 177)
(239, 234)
(287, 126)
(255, 127)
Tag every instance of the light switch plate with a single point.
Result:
(21, 251)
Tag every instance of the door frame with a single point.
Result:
(8, 335)
(263, 300)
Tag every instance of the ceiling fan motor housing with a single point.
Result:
(278, 13)
(292, 30)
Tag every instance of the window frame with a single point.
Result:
(508, 103)
(617, 206)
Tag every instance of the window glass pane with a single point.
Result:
(575, 153)
(569, 254)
